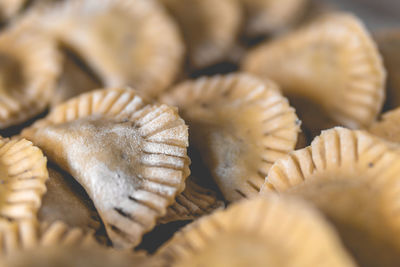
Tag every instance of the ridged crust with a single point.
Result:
(23, 177)
(275, 231)
(352, 177)
(269, 16)
(333, 62)
(155, 133)
(146, 57)
(240, 124)
(39, 65)
(29, 234)
(79, 257)
(195, 201)
(337, 151)
(210, 28)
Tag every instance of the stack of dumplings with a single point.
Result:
(197, 133)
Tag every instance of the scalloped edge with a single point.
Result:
(28, 234)
(280, 125)
(27, 174)
(195, 201)
(269, 217)
(335, 149)
(170, 135)
(363, 96)
(59, 255)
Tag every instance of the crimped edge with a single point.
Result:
(160, 127)
(26, 177)
(337, 149)
(28, 234)
(269, 217)
(364, 93)
(280, 125)
(195, 201)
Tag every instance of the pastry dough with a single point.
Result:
(389, 45)
(23, 177)
(333, 62)
(271, 16)
(128, 155)
(240, 124)
(388, 127)
(269, 231)
(29, 234)
(29, 69)
(195, 201)
(10, 8)
(210, 28)
(79, 257)
(125, 42)
(352, 177)
(63, 202)
(74, 80)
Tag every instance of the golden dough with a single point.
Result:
(23, 177)
(352, 177)
(333, 62)
(268, 231)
